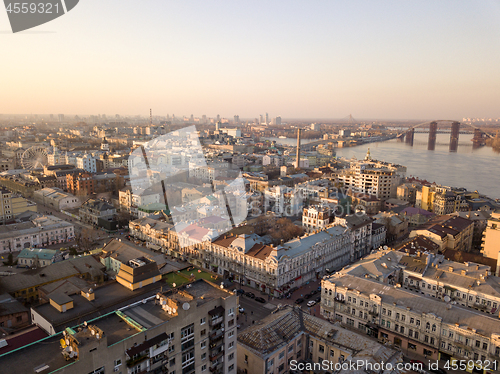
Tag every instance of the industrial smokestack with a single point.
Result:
(297, 162)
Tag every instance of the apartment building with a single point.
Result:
(372, 177)
(410, 321)
(315, 218)
(41, 231)
(283, 341)
(130, 201)
(275, 270)
(92, 210)
(449, 232)
(359, 226)
(491, 244)
(468, 284)
(191, 329)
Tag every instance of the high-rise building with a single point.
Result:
(261, 120)
(236, 119)
(297, 161)
(190, 329)
(267, 118)
(277, 120)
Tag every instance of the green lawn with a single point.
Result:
(201, 275)
(178, 279)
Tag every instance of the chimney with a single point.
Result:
(297, 162)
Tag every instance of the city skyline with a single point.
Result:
(386, 60)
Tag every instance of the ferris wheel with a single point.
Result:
(34, 158)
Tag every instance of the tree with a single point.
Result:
(85, 240)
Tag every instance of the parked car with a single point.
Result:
(319, 289)
(307, 296)
(311, 303)
(299, 301)
(250, 295)
(239, 291)
(314, 292)
(318, 299)
(260, 299)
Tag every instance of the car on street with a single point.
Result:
(250, 295)
(319, 289)
(299, 301)
(314, 292)
(307, 296)
(260, 300)
(311, 303)
(239, 291)
(318, 299)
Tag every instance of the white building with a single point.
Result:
(41, 231)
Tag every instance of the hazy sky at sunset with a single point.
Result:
(374, 59)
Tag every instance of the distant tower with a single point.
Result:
(150, 117)
(217, 126)
(267, 118)
(261, 120)
(297, 162)
(368, 156)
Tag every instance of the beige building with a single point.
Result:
(449, 232)
(410, 321)
(315, 218)
(282, 342)
(491, 244)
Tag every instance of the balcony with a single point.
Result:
(374, 314)
(217, 320)
(217, 368)
(134, 361)
(217, 334)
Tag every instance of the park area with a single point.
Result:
(187, 275)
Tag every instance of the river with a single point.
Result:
(474, 169)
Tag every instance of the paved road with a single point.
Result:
(254, 311)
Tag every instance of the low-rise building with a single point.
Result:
(449, 232)
(409, 320)
(292, 340)
(38, 257)
(360, 232)
(40, 231)
(94, 209)
(491, 245)
(56, 198)
(13, 314)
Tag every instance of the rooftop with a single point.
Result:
(403, 299)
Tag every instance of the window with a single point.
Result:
(230, 323)
(412, 320)
(485, 346)
(231, 356)
(230, 312)
(231, 334)
(290, 349)
(332, 353)
(231, 367)
(203, 332)
(478, 345)
(203, 321)
(321, 348)
(231, 345)
(204, 344)
(246, 358)
(171, 348)
(118, 362)
(281, 355)
(204, 356)
(172, 362)
(204, 367)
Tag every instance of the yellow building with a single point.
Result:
(427, 197)
(61, 302)
(138, 273)
(491, 244)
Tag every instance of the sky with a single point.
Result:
(297, 59)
